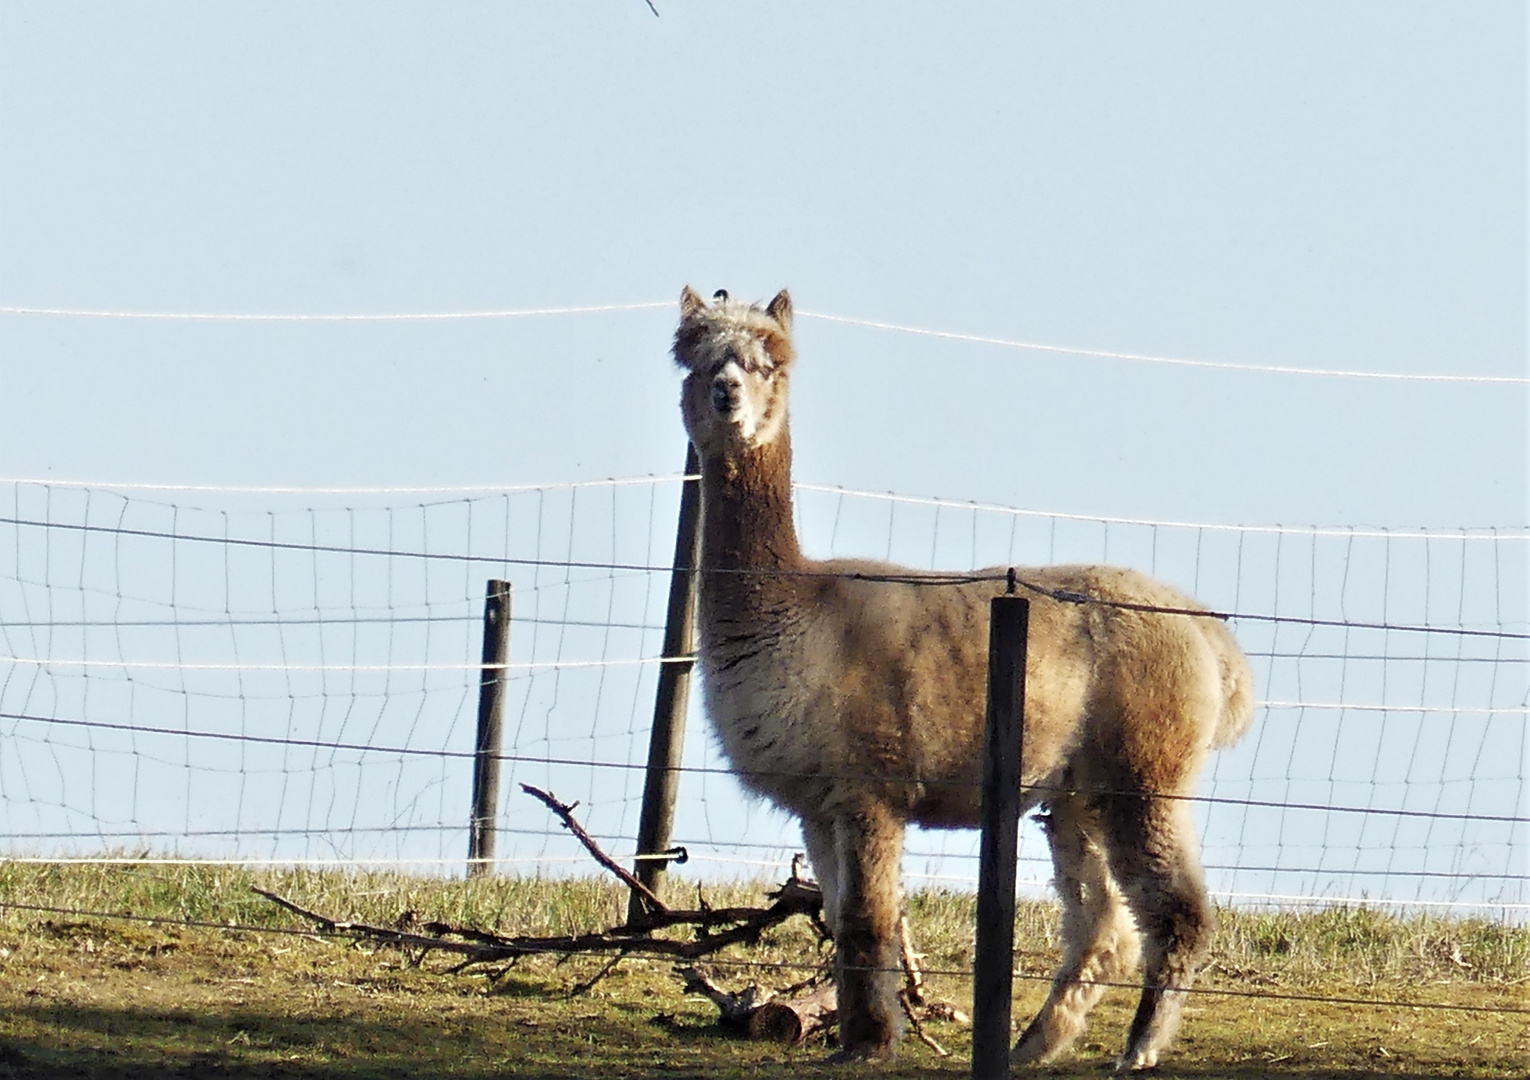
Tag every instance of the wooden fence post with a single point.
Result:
(993, 970)
(666, 742)
(491, 699)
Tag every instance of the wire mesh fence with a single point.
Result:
(293, 677)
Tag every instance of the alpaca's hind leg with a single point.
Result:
(1100, 944)
(868, 845)
(818, 836)
(1152, 848)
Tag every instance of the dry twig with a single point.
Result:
(917, 1027)
(913, 977)
(565, 812)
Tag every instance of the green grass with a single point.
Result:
(82, 996)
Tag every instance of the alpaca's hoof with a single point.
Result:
(1137, 1061)
(1044, 1040)
(1032, 1049)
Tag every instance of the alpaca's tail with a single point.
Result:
(1237, 685)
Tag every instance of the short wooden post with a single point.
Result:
(491, 707)
(993, 971)
(666, 743)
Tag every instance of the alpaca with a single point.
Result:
(859, 706)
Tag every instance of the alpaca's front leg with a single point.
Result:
(818, 836)
(868, 842)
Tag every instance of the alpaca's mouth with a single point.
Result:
(739, 424)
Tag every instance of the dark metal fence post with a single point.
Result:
(491, 697)
(993, 971)
(667, 740)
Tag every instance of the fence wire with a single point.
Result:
(270, 676)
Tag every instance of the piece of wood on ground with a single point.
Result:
(796, 1020)
(790, 1018)
(735, 1008)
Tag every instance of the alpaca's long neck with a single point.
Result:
(747, 528)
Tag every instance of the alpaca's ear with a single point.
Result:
(691, 329)
(780, 309)
(690, 302)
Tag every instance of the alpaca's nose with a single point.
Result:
(726, 389)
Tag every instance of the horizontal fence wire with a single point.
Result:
(279, 677)
(929, 579)
(870, 324)
(321, 317)
(223, 489)
(722, 770)
(1493, 535)
(706, 851)
(553, 665)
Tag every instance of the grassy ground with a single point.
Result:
(89, 997)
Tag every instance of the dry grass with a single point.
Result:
(88, 997)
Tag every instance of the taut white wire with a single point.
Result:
(1037, 883)
(824, 489)
(129, 860)
(563, 665)
(427, 316)
(947, 335)
(1287, 530)
(1339, 706)
(1284, 898)
(174, 665)
(469, 489)
(1143, 358)
(1369, 901)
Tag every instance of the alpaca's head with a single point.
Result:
(737, 356)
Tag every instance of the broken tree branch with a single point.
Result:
(565, 814)
(715, 928)
(764, 1016)
(917, 1026)
(913, 977)
(479, 946)
(386, 935)
(734, 1009)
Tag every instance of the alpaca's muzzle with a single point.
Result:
(727, 391)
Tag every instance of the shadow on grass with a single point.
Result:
(53, 1041)
(56, 1040)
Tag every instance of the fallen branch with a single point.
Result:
(810, 1009)
(475, 951)
(796, 1015)
(734, 1009)
(765, 1016)
(565, 812)
(742, 925)
(715, 928)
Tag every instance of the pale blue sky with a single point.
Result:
(1316, 185)
(1309, 184)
